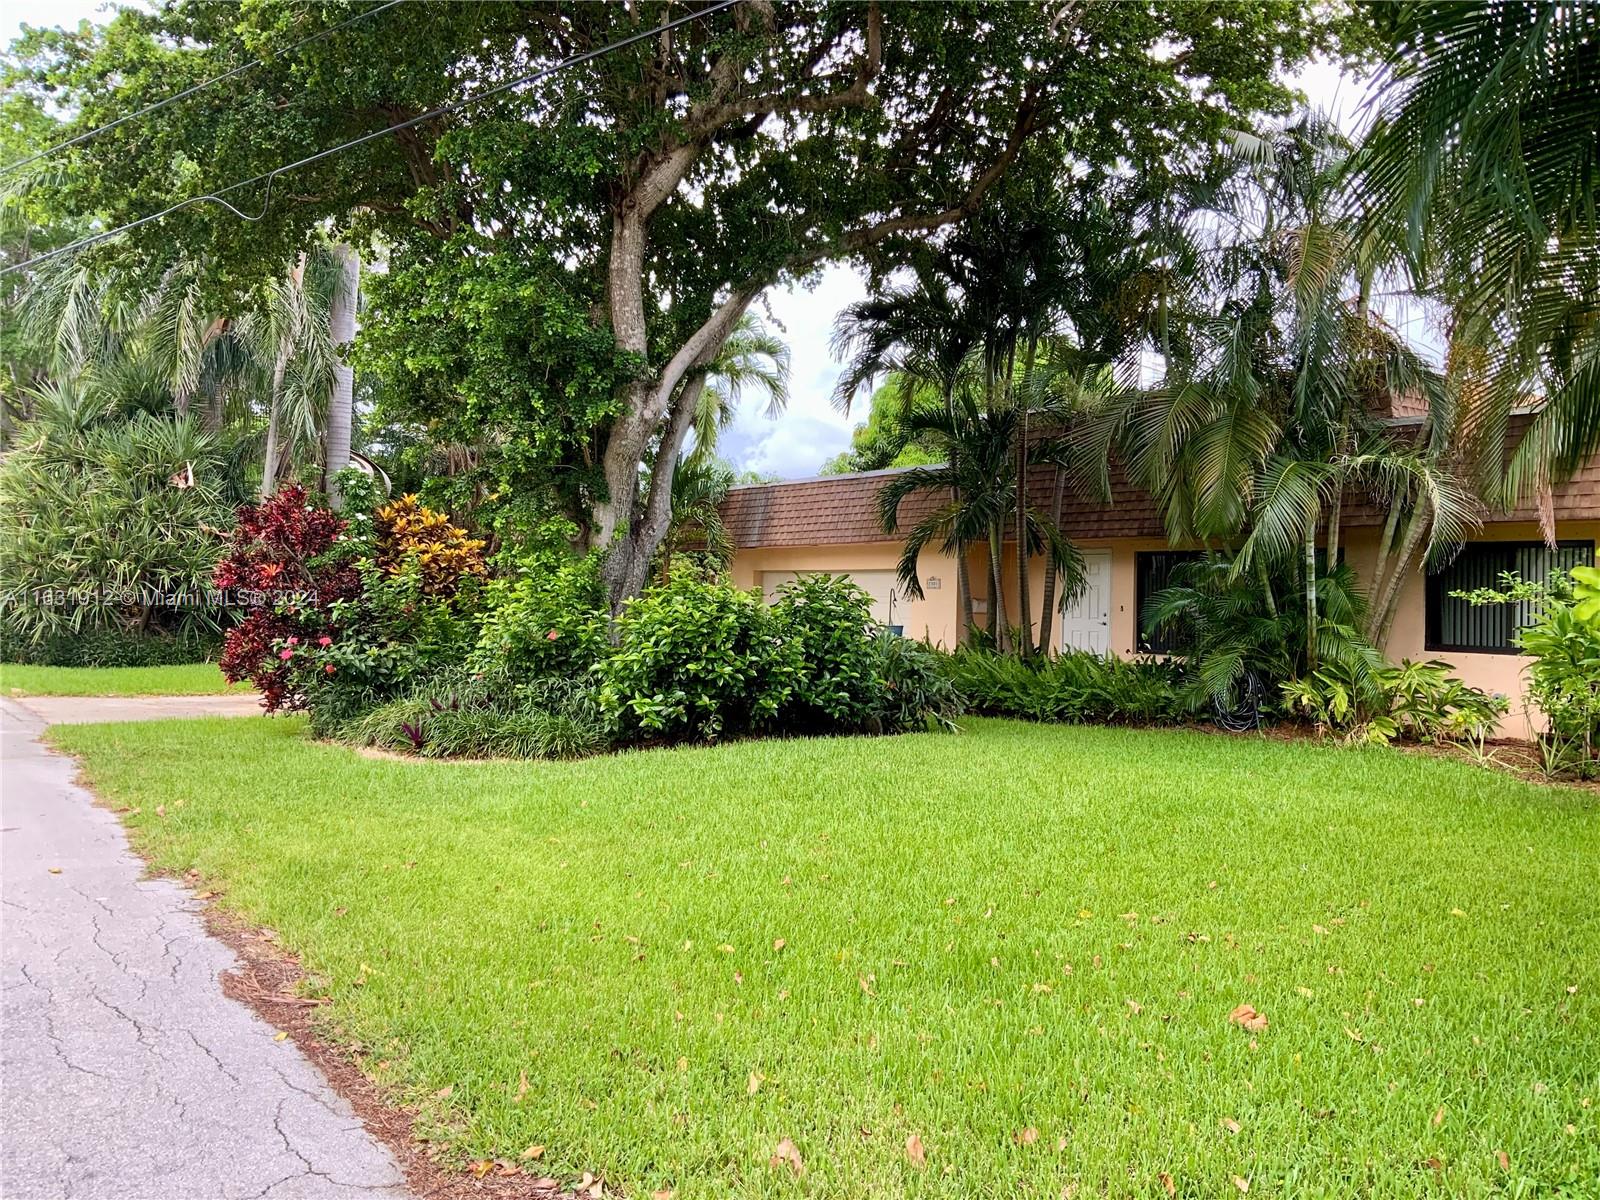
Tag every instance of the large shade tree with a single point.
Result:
(652, 191)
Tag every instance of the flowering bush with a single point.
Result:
(285, 564)
(406, 534)
(550, 620)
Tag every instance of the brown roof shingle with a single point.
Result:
(843, 509)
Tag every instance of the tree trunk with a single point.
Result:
(1403, 567)
(1380, 567)
(341, 401)
(1047, 612)
(1265, 580)
(269, 458)
(1311, 597)
(1024, 584)
(999, 627)
(646, 534)
(964, 589)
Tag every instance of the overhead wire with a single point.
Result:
(433, 114)
(18, 164)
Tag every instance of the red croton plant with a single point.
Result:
(279, 567)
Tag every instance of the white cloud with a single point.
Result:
(811, 430)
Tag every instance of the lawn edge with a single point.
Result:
(265, 980)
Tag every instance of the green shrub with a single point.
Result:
(107, 522)
(550, 619)
(913, 690)
(117, 648)
(384, 641)
(698, 661)
(1074, 687)
(463, 714)
(1564, 679)
(828, 619)
(1419, 701)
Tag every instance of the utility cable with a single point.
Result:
(431, 115)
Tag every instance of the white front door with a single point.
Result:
(1086, 619)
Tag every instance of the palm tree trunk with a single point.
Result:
(1047, 611)
(341, 401)
(1266, 587)
(1403, 567)
(999, 627)
(1380, 566)
(964, 588)
(1311, 597)
(1024, 598)
(269, 459)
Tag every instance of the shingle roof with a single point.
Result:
(843, 509)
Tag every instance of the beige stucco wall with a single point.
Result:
(933, 619)
(1501, 673)
(936, 617)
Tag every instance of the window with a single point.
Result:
(1152, 573)
(1454, 624)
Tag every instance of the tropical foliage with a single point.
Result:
(109, 525)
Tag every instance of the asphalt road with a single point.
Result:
(126, 1071)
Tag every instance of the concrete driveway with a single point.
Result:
(127, 1072)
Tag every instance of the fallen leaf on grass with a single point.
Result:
(787, 1154)
(1248, 1019)
(1438, 1116)
(663, 1194)
(481, 1168)
(1025, 1137)
(445, 1092)
(779, 944)
(1504, 1159)
(1240, 1182)
(522, 1086)
(533, 1152)
(1167, 1185)
(915, 1152)
(1231, 1125)
(756, 1080)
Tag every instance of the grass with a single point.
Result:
(187, 679)
(1020, 944)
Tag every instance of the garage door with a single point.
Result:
(882, 586)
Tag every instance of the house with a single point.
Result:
(830, 523)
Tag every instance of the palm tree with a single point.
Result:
(751, 357)
(699, 486)
(1485, 163)
(1251, 443)
(926, 334)
(341, 397)
(979, 479)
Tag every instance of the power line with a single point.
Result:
(432, 114)
(189, 91)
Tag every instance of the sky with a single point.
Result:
(811, 429)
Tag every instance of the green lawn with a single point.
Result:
(1020, 944)
(188, 679)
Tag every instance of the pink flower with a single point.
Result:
(286, 655)
(551, 636)
(324, 641)
(294, 641)
(329, 668)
